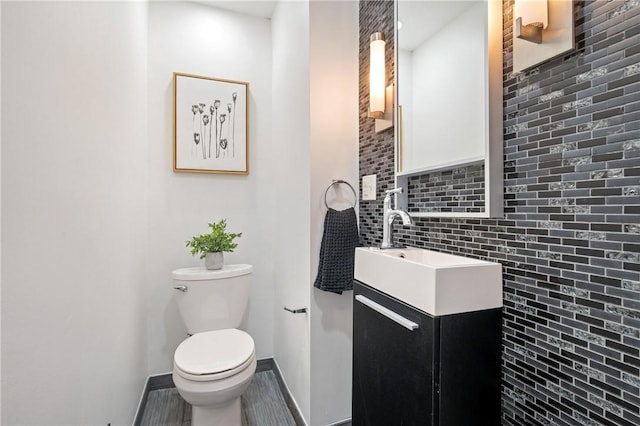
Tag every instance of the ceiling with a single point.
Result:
(423, 18)
(260, 8)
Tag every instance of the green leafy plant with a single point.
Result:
(217, 240)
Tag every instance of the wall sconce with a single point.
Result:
(380, 96)
(532, 16)
(377, 75)
(542, 29)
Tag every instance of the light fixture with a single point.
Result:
(380, 95)
(377, 75)
(542, 29)
(532, 16)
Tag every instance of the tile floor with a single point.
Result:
(262, 405)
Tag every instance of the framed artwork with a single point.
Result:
(210, 125)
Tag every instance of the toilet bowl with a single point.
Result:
(211, 370)
(214, 366)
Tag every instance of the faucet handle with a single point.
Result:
(393, 191)
(388, 198)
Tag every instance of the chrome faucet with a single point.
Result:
(389, 216)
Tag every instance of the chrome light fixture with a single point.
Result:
(542, 29)
(532, 17)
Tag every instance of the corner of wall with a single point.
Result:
(334, 155)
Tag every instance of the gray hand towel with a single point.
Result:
(337, 251)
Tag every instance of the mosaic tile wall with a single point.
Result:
(455, 190)
(569, 242)
(376, 149)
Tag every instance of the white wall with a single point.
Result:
(0, 215)
(291, 152)
(315, 138)
(334, 155)
(87, 181)
(74, 142)
(201, 40)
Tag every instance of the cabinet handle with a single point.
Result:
(408, 324)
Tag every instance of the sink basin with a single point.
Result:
(436, 283)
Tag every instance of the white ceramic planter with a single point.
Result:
(214, 260)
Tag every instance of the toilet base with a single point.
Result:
(217, 402)
(228, 414)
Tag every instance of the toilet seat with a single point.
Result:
(214, 355)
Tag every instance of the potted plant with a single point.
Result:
(211, 246)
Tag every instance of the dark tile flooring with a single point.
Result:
(262, 405)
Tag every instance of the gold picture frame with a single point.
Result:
(210, 125)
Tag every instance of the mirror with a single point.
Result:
(442, 72)
(449, 97)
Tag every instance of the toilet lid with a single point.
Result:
(200, 273)
(213, 352)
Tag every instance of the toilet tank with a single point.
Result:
(212, 299)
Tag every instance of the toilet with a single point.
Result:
(214, 366)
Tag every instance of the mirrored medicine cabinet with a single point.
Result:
(448, 128)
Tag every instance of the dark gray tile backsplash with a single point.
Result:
(376, 149)
(459, 190)
(569, 242)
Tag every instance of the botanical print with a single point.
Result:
(210, 125)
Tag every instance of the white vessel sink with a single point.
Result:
(436, 283)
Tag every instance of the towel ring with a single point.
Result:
(336, 182)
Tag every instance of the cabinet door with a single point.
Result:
(470, 357)
(393, 375)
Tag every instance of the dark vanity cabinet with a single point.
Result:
(410, 368)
